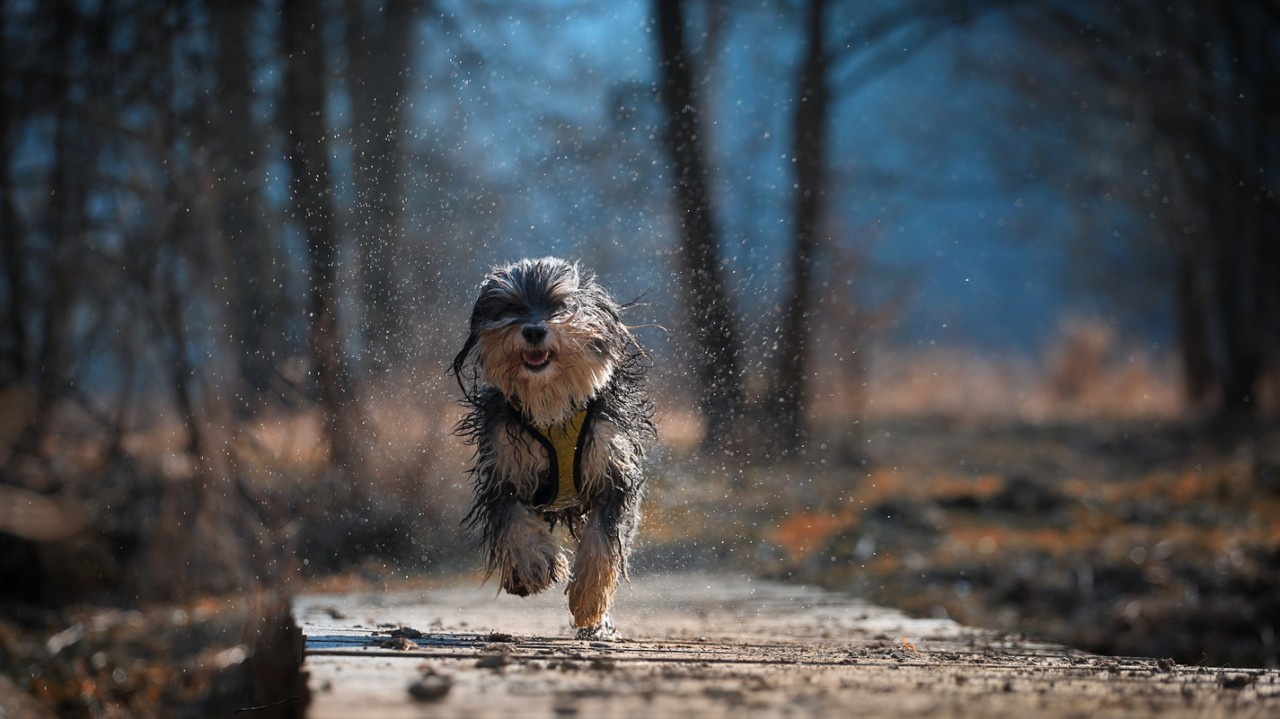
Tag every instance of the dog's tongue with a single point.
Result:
(536, 358)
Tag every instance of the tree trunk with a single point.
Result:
(14, 349)
(1192, 309)
(64, 220)
(378, 77)
(1222, 148)
(253, 286)
(1213, 119)
(706, 296)
(304, 120)
(809, 141)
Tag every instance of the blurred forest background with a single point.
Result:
(972, 305)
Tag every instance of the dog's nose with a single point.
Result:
(534, 334)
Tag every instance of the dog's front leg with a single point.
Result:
(600, 561)
(525, 553)
(595, 577)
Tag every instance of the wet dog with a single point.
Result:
(557, 412)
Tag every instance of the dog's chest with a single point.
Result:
(554, 467)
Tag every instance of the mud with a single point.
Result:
(712, 645)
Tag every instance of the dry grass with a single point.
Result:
(1083, 374)
(263, 503)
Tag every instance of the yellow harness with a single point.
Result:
(560, 488)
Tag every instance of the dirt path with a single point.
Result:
(711, 646)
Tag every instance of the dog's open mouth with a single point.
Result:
(536, 360)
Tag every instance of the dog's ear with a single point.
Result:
(460, 361)
(459, 366)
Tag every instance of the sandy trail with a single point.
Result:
(709, 645)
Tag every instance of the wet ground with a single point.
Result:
(712, 645)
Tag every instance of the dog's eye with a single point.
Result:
(562, 309)
(506, 313)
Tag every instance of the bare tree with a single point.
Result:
(63, 220)
(379, 62)
(1194, 83)
(1228, 289)
(810, 125)
(701, 274)
(311, 186)
(255, 284)
(13, 242)
(835, 67)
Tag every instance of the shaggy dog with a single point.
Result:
(554, 386)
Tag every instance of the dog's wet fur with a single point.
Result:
(547, 342)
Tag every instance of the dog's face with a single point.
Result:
(545, 334)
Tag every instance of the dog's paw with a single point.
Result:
(512, 585)
(530, 582)
(603, 630)
(535, 568)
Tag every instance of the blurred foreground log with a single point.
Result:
(140, 591)
(210, 657)
(38, 518)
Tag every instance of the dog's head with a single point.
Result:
(545, 334)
